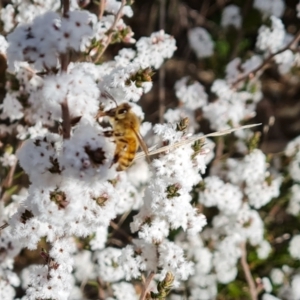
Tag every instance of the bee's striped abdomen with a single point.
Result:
(125, 152)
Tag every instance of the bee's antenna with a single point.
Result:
(108, 95)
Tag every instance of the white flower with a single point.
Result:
(294, 247)
(171, 259)
(227, 197)
(294, 203)
(267, 284)
(270, 7)
(264, 249)
(231, 16)
(124, 291)
(151, 51)
(285, 60)
(267, 296)
(48, 35)
(191, 94)
(83, 265)
(3, 44)
(11, 107)
(277, 276)
(8, 160)
(129, 263)
(298, 9)
(201, 42)
(108, 267)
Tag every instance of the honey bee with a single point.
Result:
(125, 130)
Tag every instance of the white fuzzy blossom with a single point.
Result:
(231, 16)
(55, 279)
(48, 35)
(8, 160)
(271, 39)
(231, 107)
(124, 291)
(166, 206)
(151, 51)
(116, 227)
(227, 197)
(294, 247)
(277, 276)
(192, 94)
(201, 42)
(108, 267)
(3, 44)
(270, 7)
(294, 203)
(298, 9)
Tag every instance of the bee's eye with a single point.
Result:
(123, 111)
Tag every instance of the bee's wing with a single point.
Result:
(142, 144)
(193, 139)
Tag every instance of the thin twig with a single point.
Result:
(7, 182)
(64, 61)
(204, 8)
(64, 57)
(101, 293)
(120, 230)
(290, 45)
(65, 7)
(101, 8)
(219, 150)
(4, 226)
(124, 217)
(111, 31)
(66, 123)
(162, 71)
(146, 286)
(240, 33)
(247, 272)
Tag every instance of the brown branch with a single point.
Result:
(66, 123)
(290, 45)
(111, 30)
(146, 286)
(65, 8)
(247, 272)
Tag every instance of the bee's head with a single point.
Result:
(120, 112)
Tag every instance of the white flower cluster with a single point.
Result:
(271, 39)
(24, 11)
(237, 222)
(231, 107)
(191, 94)
(46, 37)
(166, 207)
(77, 199)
